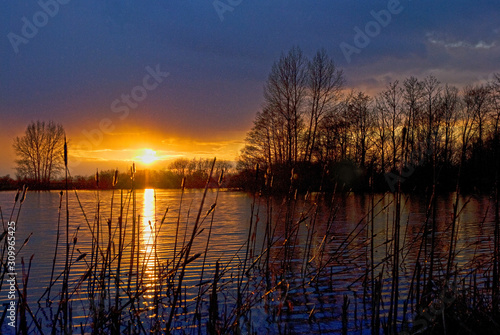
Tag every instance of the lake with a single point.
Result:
(287, 264)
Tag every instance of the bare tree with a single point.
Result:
(180, 166)
(284, 93)
(324, 83)
(467, 116)
(432, 115)
(449, 106)
(40, 152)
(263, 142)
(334, 134)
(480, 98)
(495, 101)
(390, 116)
(413, 95)
(359, 112)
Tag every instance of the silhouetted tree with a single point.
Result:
(495, 102)
(450, 104)
(264, 141)
(361, 116)
(432, 114)
(284, 93)
(467, 119)
(388, 117)
(307, 122)
(332, 136)
(40, 152)
(481, 100)
(413, 94)
(180, 166)
(324, 83)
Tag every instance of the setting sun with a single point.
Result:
(148, 156)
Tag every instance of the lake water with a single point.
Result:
(326, 243)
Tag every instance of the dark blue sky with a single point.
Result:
(89, 53)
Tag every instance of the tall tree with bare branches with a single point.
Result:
(40, 152)
(324, 83)
(284, 93)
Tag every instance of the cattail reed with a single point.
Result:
(65, 289)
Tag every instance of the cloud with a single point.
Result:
(450, 43)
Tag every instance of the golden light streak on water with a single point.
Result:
(148, 238)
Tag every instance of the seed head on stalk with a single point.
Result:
(221, 177)
(23, 196)
(65, 153)
(115, 178)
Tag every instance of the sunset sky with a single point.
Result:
(145, 80)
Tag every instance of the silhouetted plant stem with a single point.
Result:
(372, 258)
(212, 212)
(132, 249)
(213, 310)
(183, 183)
(496, 240)
(393, 308)
(65, 295)
(178, 291)
(58, 233)
(116, 311)
(345, 316)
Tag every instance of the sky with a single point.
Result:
(159, 79)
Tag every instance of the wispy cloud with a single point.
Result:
(450, 43)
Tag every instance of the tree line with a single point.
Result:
(40, 163)
(189, 173)
(310, 122)
(316, 134)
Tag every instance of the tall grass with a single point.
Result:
(284, 279)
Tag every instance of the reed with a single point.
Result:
(292, 275)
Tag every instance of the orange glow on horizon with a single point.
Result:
(154, 151)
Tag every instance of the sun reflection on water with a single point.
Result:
(148, 238)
